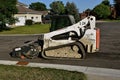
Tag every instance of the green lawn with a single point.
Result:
(29, 73)
(33, 29)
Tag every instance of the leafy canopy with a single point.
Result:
(106, 2)
(71, 9)
(102, 11)
(38, 6)
(7, 10)
(57, 7)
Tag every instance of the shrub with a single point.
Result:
(101, 11)
(28, 22)
(37, 23)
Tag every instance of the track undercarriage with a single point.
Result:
(72, 51)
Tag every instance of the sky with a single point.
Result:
(82, 5)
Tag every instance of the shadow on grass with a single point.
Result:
(6, 29)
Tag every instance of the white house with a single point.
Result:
(24, 13)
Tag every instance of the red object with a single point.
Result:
(22, 57)
(22, 63)
(97, 38)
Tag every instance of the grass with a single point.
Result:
(29, 73)
(33, 29)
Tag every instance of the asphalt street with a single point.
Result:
(107, 57)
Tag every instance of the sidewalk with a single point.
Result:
(98, 77)
(92, 73)
(100, 21)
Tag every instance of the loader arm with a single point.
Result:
(81, 25)
(77, 30)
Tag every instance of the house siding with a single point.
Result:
(23, 17)
(34, 17)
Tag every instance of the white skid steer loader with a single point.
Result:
(67, 40)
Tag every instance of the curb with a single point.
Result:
(84, 69)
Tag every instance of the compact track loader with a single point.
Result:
(67, 40)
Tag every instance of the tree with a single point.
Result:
(38, 6)
(88, 11)
(101, 11)
(117, 7)
(57, 7)
(106, 2)
(71, 9)
(7, 10)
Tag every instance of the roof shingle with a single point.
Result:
(24, 10)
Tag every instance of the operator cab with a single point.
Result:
(61, 21)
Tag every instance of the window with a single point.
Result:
(65, 36)
(32, 17)
(36, 17)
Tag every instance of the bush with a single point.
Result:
(118, 18)
(28, 22)
(2, 26)
(37, 23)
(101, 11)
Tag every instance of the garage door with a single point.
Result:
(21, 21)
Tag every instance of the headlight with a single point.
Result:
(17, 49)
